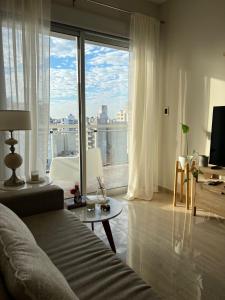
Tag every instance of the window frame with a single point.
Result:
(83, 35)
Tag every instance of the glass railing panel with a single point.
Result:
(64, 143)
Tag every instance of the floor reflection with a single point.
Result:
(180, 256)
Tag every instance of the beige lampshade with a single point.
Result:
(15, 120)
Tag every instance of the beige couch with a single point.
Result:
(91, 269)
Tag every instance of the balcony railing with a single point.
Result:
(111, 139)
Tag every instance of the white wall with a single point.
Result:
(192, 77)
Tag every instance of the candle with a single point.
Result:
(34, 176)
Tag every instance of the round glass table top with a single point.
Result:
(98, 215)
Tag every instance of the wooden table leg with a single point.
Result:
(181, 186)
(192, 184)
(188, 185)
(192, 191)
(194, 211)
(175, 183)
(108, 232)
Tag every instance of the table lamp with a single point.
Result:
(11, 120)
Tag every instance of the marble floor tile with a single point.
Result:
(182, 257)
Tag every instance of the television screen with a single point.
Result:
(217, 149)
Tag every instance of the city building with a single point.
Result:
(122, 116)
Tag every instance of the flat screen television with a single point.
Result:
(217, 148)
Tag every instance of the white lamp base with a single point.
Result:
(13, 161)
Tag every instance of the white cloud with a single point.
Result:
(106, 81)
(63, 84)
(62, 47)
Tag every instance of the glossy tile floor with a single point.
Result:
(180, 256)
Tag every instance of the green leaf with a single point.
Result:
(185, 128)
(186, 180)
(195, 173)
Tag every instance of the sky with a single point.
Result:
(106, 71)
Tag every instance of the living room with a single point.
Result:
(103, 88)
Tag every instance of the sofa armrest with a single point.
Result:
(29, 202)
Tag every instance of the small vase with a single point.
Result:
(101, 196)
(183, 159)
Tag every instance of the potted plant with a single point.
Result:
(183, 159)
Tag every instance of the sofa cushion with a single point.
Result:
(91, 269)
(12, 226)
(4, 295)
(28, 272)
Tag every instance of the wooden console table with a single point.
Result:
(208, 197)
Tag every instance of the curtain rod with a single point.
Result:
(110, 6)
(115, 8)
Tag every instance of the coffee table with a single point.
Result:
(98, 215)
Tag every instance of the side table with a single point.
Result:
(185, 178)
(47, 181)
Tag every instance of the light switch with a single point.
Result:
(166, 110)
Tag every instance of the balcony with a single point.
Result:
(111, 139)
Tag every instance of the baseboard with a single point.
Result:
(123, 190)
(117, 191)
(165, 190)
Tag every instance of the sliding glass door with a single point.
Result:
(88, 110)
(64, 146)
(106, 74)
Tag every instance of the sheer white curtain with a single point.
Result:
(24, 71)
(144, 112)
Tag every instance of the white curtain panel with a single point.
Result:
(24, 70)
(144, 107)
